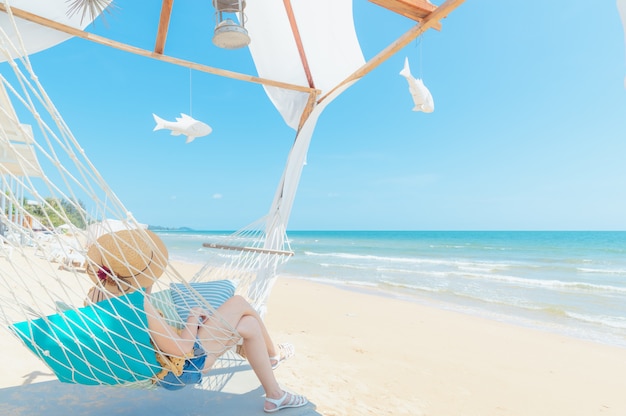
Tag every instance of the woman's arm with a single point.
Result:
(166, 338)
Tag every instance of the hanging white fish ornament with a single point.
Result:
(422, 98)
(184, 124)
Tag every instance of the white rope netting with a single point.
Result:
(54, 208)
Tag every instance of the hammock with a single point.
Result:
(56, 207)
(43, 274)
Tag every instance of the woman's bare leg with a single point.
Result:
(256, 353)
(237, 307)
(254, 343)
(238, 313)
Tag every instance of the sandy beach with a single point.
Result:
(364, 354)
(361, 354)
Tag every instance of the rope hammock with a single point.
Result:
(48, 185)
(45, 275)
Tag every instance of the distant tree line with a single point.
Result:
(50, 213)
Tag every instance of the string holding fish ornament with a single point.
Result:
(422, 97)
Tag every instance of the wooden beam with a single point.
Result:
(143, 52)
(413, 9)
(427, 23)
(296, 35)
(310, 105)
(164, 22)
(250, 249)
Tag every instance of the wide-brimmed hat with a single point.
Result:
(130, 258)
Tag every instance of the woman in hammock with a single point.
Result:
(186, 354)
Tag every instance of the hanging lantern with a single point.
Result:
(228, 33)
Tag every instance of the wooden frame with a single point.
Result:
(413, 9)
(164, 22)
(298, 39)
(23, 14)
(423, 11)
(249, 249)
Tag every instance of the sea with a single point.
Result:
(568, 282)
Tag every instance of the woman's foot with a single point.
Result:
(286, 401)
(285, 352)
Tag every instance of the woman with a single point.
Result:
(206, 337)
(128, 260)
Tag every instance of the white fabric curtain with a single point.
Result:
(329, 39)
(36, 37)
(285, 194)
(333, 53)
(17, 154)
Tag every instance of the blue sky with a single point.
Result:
(528, 132)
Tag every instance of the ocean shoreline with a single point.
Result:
(424, 300)
(567, 282)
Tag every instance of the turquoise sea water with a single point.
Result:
(567, 282)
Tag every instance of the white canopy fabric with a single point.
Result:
(36, 37)
(19, 159)
(17, 154)
(329, 40)
(332, 50)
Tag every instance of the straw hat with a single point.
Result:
(131, 259)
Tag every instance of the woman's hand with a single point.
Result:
(199, 314)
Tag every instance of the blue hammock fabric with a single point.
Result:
(107, 343)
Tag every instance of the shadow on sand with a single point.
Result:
(241, 396)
